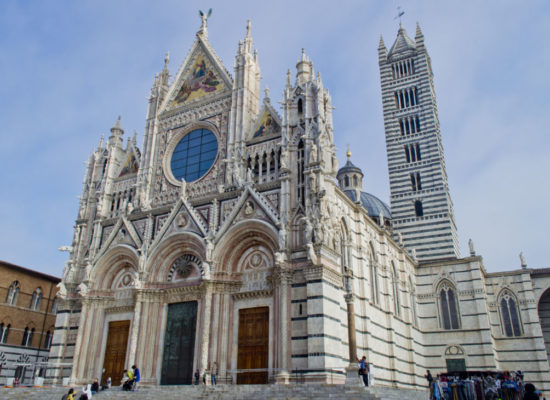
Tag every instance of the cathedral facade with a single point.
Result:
(232, 241)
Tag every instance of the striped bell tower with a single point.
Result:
(421, 205)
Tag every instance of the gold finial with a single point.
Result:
(348, 153)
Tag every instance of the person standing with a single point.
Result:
(137, 377)
(430, 380)
(197, 376)
(364, 370)
(214, 373)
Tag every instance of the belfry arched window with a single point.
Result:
(509, 315)
(13, 292)
(448, 307)
(36, 299)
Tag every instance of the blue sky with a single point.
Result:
(69, 68)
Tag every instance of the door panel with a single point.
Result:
(253, 348)
(179, 344)
(115, 351)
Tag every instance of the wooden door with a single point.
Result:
(115, 351)
(179, 344)
(253, 348)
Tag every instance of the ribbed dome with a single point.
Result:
(402, 44)
(372, 204)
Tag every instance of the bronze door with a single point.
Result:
(179, 344)
(115, 351)
(253, 348)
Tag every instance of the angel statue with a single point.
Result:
(204, 18)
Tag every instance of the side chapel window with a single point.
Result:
(511, 325)
(448, 307)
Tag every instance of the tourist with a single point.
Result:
(364, 370)
(137, 377)
(430, 379)
(127, 380)
(197, 376)
(530, 392)
(204, 377)
(213, 373)
(95, 387)
(69, 396)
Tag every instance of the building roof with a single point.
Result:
(30, 271)
(372, 204)
(349, 167)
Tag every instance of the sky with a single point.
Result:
(69, 68)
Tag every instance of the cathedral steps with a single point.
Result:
(233, 392)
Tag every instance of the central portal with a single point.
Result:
(179, 344)
(253, 345)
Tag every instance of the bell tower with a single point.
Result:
(420, 200)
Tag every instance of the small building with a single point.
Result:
(27, 319)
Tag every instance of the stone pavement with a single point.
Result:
(233, 392)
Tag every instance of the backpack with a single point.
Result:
(65, 396)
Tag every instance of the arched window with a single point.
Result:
(36, 299)
(48, 340)
(448, 307)
(13, 291)
(509, 315)
(346, 181)
(54, 306)
(300, 183)
(355, 181)
(300, 108)
(418, 210)
(373, 278)
(396, 300)
(4, 331)
(412, 299)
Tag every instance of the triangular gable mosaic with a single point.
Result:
(199, 79)
(266, 125)
(131, 165)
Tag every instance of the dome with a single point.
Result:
(372, 204)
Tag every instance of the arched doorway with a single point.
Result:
(544, 317)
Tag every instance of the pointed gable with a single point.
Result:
(131, 165)
(201, 75)
(267, 124)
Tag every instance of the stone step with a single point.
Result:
(229, 392)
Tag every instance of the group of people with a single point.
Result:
(481, 386)
(213, 375)
(129, 382)
(130, 379)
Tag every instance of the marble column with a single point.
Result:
(205, 343)
(283, 277)
(136, 320)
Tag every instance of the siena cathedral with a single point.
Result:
(232, 241)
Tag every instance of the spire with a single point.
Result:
(248, 38)
(381, 44)
(419, 37)
(304, 68)
(288, 82)
(116, 133)
(266, 94)
(403, 43)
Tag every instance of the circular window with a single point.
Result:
(194, 155)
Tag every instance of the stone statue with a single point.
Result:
(313, 153)
(284, 159)
(471, 246)
(282, 237)
(522, 260)
(62, 293)
(249, 175)
(209, 249)
(183, 190)
(248, 208)
(83, 289)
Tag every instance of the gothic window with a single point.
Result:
(36, 299)
(4, 331)
(355, 182)
(417, 120)
(509, 315)
(418, 210)
(13, 292)
(402, 127)
(346, 181)
(412, 299)
(301, 185)
(48, 340)
(373, 279)
(27, 337)
(448, 307)
(54, 306)
(417, 152)
(300, 109)
(396, 299)
(407, 154)
(416, 182)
